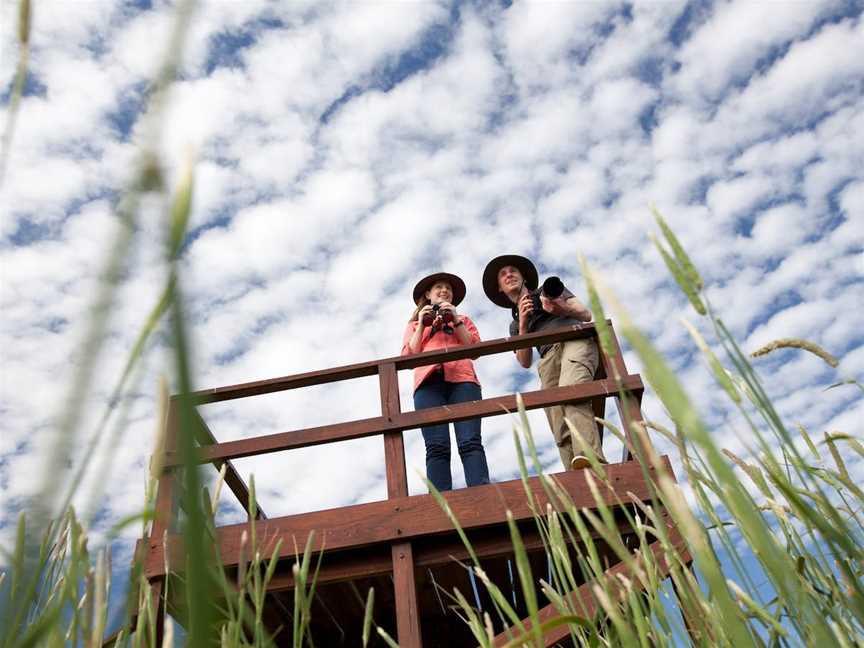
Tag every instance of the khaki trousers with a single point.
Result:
(570, 363)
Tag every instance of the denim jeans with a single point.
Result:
(437, 437)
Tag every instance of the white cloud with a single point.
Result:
(727, 48)
(522, 135)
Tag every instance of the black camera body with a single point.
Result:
(552, 288)
(444, 315)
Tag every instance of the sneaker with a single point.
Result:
(579, 462)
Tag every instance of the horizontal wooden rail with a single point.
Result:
(408, 420)
(363, 369)
(405, 518)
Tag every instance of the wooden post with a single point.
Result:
(628, 405)
(407, 613)
(163, 519)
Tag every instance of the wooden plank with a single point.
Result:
(349, 372)
(409, 420)
(628, 404)
(232, 477)
(428, 552)
(402, 555)
(417, 515)
(405, 588)
(582, 600)
(394, 447)
(165, 487)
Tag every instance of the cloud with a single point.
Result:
(738, 39)
(345, 150)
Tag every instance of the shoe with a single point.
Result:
(579, 462)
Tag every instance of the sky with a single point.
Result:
(342, 151)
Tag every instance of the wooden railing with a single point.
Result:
(611, 380)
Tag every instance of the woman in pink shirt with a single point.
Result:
(436, 324)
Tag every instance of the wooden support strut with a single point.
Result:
(627, 401)
(402, 555)
(232, 477)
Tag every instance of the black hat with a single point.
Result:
(490, 277)
(426, 283)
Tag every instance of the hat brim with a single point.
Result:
(490, 277)
(426, 283)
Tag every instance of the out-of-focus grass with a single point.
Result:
(795, 520)
(797, 515)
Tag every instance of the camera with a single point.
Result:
(552, 288)
(445, 315)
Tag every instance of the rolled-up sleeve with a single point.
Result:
(409, 332)
(473, 333)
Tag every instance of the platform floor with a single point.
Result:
(338, 610)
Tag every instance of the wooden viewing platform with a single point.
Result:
(405, 546)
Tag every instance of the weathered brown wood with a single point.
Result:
(394, 447)
(165, 486)
(402, 556)
(417, 515)
(360, 370)
(428, 552)
(409, 420)
(405, 589)
(628, 404)
(383, 543)
(598, 405)
(232, 477)
(583, 602)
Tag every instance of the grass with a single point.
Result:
(790, 514)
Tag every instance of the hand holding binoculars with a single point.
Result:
(438, 314)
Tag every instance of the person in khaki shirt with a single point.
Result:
(510, 281)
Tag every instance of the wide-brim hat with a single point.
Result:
(490, 277)
(426, 283)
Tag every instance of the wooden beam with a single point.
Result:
(405, 589)
(409, 420)
(349, 372)
(583, 602)
(410, 517)
(401, 553)
(163, 519)
(232, 477)
(491, 542)
(628, 404)
(394, 447)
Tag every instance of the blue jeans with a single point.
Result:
(437, 437)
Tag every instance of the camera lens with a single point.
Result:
(553, 287)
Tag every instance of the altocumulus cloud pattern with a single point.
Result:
(346, 149)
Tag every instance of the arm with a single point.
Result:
(466, 332)
(567, 305)
(412, 340)
(409, 343)
(525, 356)
(576, 309)
(463, 328)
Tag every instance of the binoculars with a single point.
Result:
(446, 317)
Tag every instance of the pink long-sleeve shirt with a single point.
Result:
(455, 371)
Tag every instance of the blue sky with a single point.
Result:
(344, 150)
